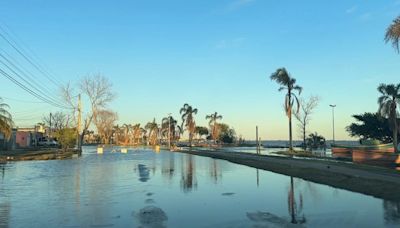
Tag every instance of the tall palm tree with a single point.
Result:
(168, 126)
(188, 113)
(6, 122)
(153, 130)
(283, 78)
(390, 96)
(213, 124)
(393, 34)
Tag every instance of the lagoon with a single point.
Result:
(177, 190)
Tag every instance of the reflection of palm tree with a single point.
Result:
(189, 181)
(6, 122)
(388, 106)
(188, 113)
(393, 33)
(282, 77)
(295, 210)
(213, 124)
(214, 171)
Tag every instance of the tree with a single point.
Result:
(200, 131)
(393, 33)
(168, 128)
(390, 96)
(371, 126)
(153, 130)
(282, 77)
(304, 115)
(98, 91)
(315, 141)
(188, 113)
(6, 122)
(55, 121)
(105, 123)
(66, 137)
(214, 125)
(227, 134)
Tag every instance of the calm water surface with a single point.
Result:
(147, 189)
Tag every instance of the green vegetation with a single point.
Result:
(371, 126)
(201, 131)
(66, 137)
(227, 135)
(390, 97)
(6, 122)
(315, 141)
(282, 77)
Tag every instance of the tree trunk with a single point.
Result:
(290, 120)
(304, 137)
(395, 132)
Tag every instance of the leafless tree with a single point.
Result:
(58, 120)
(304, 115)
(97, 90)
(104, 122)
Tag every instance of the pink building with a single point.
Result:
(23, 139)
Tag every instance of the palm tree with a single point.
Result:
(213, 124)
(6, 122)
(188, 113)
(282, 77)
(152, 127)
(393, 33)
(388, 106)
(168, 126)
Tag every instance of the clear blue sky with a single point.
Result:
(214, 55)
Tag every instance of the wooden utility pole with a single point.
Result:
(78, 128)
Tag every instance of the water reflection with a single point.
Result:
(391, 212)
(5, 209)
(188, 180)
(215, 171)
(295, 208)
(168, 166)
(144, 173)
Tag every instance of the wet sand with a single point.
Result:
(374, 181)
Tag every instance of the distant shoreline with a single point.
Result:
(374, 181)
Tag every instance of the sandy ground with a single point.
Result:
(375, 181)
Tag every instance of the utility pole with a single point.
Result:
(78, 128)
(257, 143)
(333, 121)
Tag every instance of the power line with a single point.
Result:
(43, 95)
(29, 90)
(22, 101)
(22, 69)
(27, 58)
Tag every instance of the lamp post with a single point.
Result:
(333, 121)
(169, 131)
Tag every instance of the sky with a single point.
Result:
(214, 55)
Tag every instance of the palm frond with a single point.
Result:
(393, 34)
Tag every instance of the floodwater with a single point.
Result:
(143, 188)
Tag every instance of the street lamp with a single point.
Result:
(333, 121)
(169, 131)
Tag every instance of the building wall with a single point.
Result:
(23, 139)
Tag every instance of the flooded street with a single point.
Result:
(143, 188)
